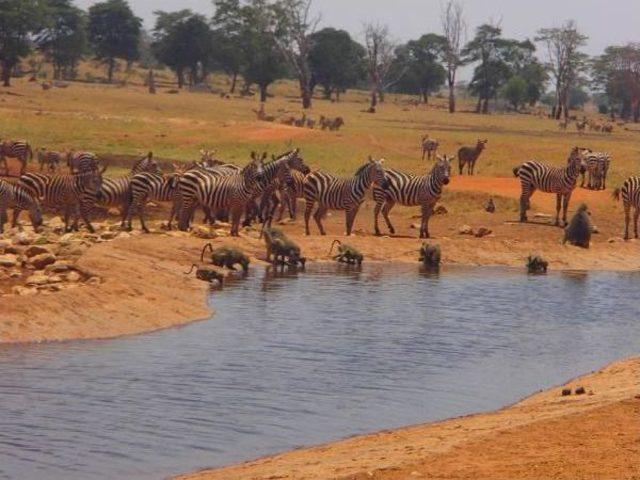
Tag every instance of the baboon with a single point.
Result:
(536, 264)
(207, 274)
(490, 206)
(430, 256)
(227, 257)
(284, 250)
(579, 230)
(346, 254)
(469, 155)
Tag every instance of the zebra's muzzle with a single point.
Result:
(445, 181)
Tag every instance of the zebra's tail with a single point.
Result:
(616, 194)
(516, 171)
(333, 243)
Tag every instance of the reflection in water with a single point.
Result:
(304, 357)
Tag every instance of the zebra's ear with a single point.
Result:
(253, 155)
(370, 159)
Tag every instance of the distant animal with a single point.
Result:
(429, 147)
(607, 128)
(536, 264)
(18, 149)
(227, 257)
(410, 190)
(262, 115)
(430, 256)
(81, 161)
(16, 196)
(630, 194)
(50, 159)
(597, 167)
(335, 193)
(563, 125)
(346, 253)
(333, 124)
(579, 230)
(207, 274)
(469, 156)
(490, 206)
(302, 121)
(534, 176)
(580, 126)
(311, 123)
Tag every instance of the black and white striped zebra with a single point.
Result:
(114, 192)
(82, 161)
(597, 167)
(231, 192)
(410, 190)
(50, 159)
(336, 193)
(18, 149)
(147, 186)
(534, 176)
(16, 196)
(74, 193)
(290, 193)
(630, 193)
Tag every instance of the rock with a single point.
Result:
(58, 267)
(23, 238)
(34, 250)
(55, 278)
(178, 234)
(221, 233)
(579, 391)
(108, 235)
(615, 240)
(465, 230)
(55, 222)
(203, 232)
(42, 240)
(94, 281)
(23, 291)
(541, 215)
(594, 229)
(37, 279)
(8, 260)
(14, 249)
(67, 238)
(15, 274)
(73, 277)
(566, 392)
(41, 261)
(440, 210)
(483, 232)
(123, 235)
(4, 243)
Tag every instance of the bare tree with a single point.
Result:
(380, 54)
(565, 61)
(453, 30)
(294, 25)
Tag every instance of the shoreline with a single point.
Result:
(544, 435)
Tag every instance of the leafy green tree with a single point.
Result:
(63, 41)
(183, 42)
(337, 61)
(228, 52)
(616, 73)
(19, 19)
(515, 91)
(114, 32)
(424, 74)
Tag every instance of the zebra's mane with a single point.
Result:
(361, 170)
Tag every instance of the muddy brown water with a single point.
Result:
(301, 359)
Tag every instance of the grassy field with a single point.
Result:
(127, 120)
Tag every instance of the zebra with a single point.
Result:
(290, 193)
(231, 191)
(429, 147)
(597, 168)
(19, 149)
(630, 193)
(81, 161)
(114, 192)
(335, 193)
(75, 193)
(411, 190)
(19, 198)
(546, 178)
(147, 186)
(50, 159)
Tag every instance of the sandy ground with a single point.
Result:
(590, 436)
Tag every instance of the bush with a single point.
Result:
(603, 109)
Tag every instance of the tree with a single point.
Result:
(515, 91)
(453, 29)
(294, 26)
(617, 74)
(114, 32)
(227, 39)
(18, 20)
(64, 39)
(578, 97)
(182, 41)
(336, 60)
(566, 62)
(424, 74)
(380, 57)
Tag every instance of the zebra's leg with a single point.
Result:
(376, 214)
(558, 206)
(427, 210)
(85, 212)
(236, 216)
(627, 219)
(307, 215)
(320, 213)
(385, 213)
(565, 207)
(350, 215)
(3, 214)
(124, 213)
(636, 214)
(460, 165)
(524, 203)
(583, 177)
(14, 220)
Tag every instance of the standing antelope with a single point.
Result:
(410, 190)
(331, 192)
(546, 178)
(429, 147)
(469, 155)
(18, 149)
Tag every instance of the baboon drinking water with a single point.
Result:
(346, 254)
(579, 230)
(227, 257)
(430, 256)
(207, 274)
(536, 264)
(284, 250)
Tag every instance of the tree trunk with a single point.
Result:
(337, 95)
(381, 95)
(180, 75)
(263, 93)
(452, 98)
(6, 74)
(479, 105)
(485, 106)
(636, 111)
(234, 81)
(374, 98)
(111, 68)
(425, 97)
(152, 83)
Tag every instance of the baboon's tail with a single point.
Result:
(209, 246)
(516, 171)
(616, 194)
(333, 243)
(192, 267)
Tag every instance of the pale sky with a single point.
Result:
(606, 22)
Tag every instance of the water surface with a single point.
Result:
(303, 359)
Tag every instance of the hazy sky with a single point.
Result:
(606, 22)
